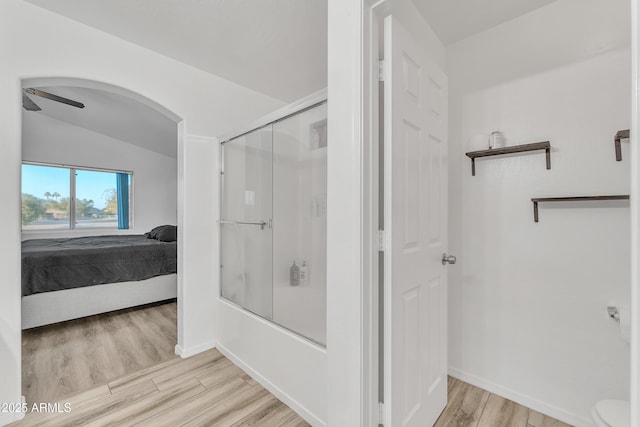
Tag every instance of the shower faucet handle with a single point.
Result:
(448, 259)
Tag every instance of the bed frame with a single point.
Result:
(57, 306)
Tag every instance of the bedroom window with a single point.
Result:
(66, 198)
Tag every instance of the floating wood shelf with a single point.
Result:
(572, 199)
(620, 135)
(546, 146)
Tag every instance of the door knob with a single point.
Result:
(448, 259)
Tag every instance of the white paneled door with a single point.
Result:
(415, 221)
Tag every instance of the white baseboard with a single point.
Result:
(21, 415)
(10, 417)
(7, 418)
(191, 351)
(285, 398)
(528, 401)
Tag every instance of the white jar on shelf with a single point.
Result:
(496, 139)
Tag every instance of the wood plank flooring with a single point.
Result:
(471, 406)
(209, 390)
(203, 390)
(65, 358)
(120, 369)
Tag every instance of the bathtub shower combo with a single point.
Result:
(273, 226)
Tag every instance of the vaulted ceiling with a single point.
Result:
(276, 47)
(113, 115)
(454, 20)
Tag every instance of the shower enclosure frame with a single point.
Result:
(307, 103)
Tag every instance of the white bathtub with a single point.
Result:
(302, 309)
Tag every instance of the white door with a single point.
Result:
(415, 222)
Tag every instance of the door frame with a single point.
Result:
(374, 13)
(351, 212)
(353, 336)
(182, 138)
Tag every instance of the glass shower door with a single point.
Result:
(246, 234)
(274, 222)
(300, 223)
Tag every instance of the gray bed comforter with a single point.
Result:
(56, 264)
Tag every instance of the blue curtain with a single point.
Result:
(123, 200)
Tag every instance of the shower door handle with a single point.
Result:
(261, 224)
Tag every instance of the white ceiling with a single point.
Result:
(277, 47)
(454, 20)
(112, 115)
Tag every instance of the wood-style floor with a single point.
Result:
(65, 358)
(120, 369)
(203, 390)
(470, 406)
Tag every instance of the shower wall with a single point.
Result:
(274, 193)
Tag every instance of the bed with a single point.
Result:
(67, 278)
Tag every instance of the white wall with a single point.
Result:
(155, 179)
(58, 47)
(527, 301)
(635, 235)
(345, 343)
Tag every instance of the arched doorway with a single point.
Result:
(115, 132)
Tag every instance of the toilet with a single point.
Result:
(612, 413)
(615, 413)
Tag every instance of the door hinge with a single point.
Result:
(380, 71)
(380, 240)
(380, 414)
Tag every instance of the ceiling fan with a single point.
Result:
(29, 105)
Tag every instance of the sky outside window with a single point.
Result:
(38, 180)
(96, 186)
